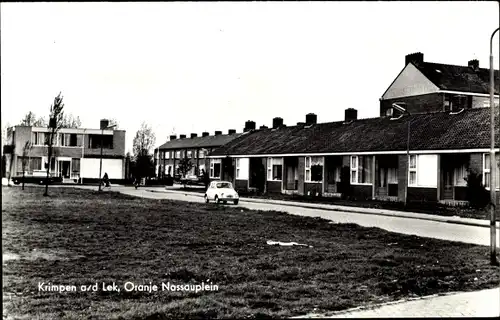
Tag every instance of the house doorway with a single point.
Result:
(64, 169)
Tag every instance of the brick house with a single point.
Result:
(76, 152)
(168, 155)
(433, 87)
(365, 158)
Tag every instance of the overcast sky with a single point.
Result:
(193, 67)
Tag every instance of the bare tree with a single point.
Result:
(185, 166)
(56, 116)
(70, 121)
(30, 119)
(144, 141)
(26, 151)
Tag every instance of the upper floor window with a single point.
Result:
(70, 140)
(38, 138)
(201, 153)
(189, 154)
(177, 154)
(95, 141)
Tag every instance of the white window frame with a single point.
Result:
(488, 170)
(238, 168)
(270, 163)
(307, 166)
(356, 169)
(410, 170)
(177, 154)
(212, 165)
(308, 160)
(189, 154)
(39, 142)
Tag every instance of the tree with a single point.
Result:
(144, 141)
(477, 195)
(185, 165)
(26, 150)
(30, 119)
(69, 121)
(56, 116)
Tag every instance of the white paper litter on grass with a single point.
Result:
(286, 244)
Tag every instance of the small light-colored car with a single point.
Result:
(221, 191)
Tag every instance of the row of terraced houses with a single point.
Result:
(447, 124)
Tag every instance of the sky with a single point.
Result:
(189, 67)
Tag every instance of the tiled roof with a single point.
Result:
(458, 78)
(199, 142)
(433, 131)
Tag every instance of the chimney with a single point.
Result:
(173, 137)
(277, 122)
(205, 134)
(182, 136)
(231, 131)
(193, 135)
(311, 118)
(218, 133)
(474, 64)
(415, 58)
(249, 125)
(104, 123)
(351, 114)
(263, 127)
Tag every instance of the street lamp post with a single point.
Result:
(493, 256)
(100, 162)
(398, 107)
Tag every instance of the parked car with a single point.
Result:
(37, 176)
(221, 191)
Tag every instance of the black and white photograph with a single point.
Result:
(250, 160)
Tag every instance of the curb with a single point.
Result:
(378, 305)
(344, 209)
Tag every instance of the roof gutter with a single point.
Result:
(467, 93)
(353, 153)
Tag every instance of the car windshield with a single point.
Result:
(224, 185)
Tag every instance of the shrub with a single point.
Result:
(477, 195)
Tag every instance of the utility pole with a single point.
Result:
(493, 165)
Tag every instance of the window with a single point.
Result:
(392, 175)
(314, 169)
(215, 166)
(224, 185)
(38, 138)
(177, 154)
(201, 153)
(487, 171)
(274, 169)
(361, 169)
(422, 171)
(70, 140)
(95, 141)
(75, 165)
(413, 171)
(30, 164)
(189, 154)
(460, 175)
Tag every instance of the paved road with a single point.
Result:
(424, 228)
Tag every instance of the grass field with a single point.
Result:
(80, 237)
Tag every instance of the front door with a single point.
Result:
(448, 184)
(291, 172)
(64, 169)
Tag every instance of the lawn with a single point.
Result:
(80, 237)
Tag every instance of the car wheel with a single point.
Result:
(217, 199)
(206, 199)
(236, 202)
